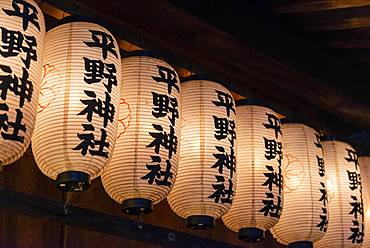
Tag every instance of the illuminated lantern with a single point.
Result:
(345, 228)
(22, 32)
(365, 177)
(76, 125)
(144, 164)
(304, 218)
(258, 201)
(206, 179)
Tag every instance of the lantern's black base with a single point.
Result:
(251, 234)
(200, 222)
(137, 206)
(73, 181)
(301, 244)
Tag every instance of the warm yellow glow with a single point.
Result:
(345, 222)
(21, 47)
(65, 85)
(304, 180)
(123, 176)
(245, 211)
(191, 194)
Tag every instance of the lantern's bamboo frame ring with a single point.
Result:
(137, 206)
(73, 181)
(301, 244)
(251, 234)
(200, 222)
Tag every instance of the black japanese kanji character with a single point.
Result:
(357, 235)
(273, 123)
(352, 157)
(225, 100)
(320, 163)
(13, 45)
(225, 160)
(323, 225)
(356, 207)
(220, 190)
(154, 169)
(21, 87)
(12, 42)
(26, 11)
(271, 148)
(324, 195)
(269, 208)
(168, 76)
(224, 128)
(104, 108)
(353, 180)
(155, 172)
(272, 178)
(94, 70)
(6, 125)
(102, 40)
(166, 140)
(164, 105)
(88, 142)
(97, 70)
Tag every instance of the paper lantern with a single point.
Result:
(22, 32)
(365, 181)
(206, 179)
(305, 214)
(144, 164)
(76, 125)
(345, 227)
(258, 202)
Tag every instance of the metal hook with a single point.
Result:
(66, 203)
(139, 222)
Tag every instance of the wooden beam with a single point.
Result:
(317, 5)
(26, 204)
(334, 24)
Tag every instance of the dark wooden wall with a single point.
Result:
(23, 231)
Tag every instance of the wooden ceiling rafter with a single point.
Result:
(317, 5)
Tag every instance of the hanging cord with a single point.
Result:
(66, 203)
(139, 222)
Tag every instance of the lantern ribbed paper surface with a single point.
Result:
(345, 227)
(22, 32)
(259, 173)
(76, 125)
(365, 180)
(206, 178)
(145, 159)
(304, 218)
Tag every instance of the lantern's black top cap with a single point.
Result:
(81, 18)
(144, 53)
(301, 244)
(251, 234)
(253, 101)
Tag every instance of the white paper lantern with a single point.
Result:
(76, 125)
(22, 33)
(365, 180)
(206, 179)
(258, 201)
(345, 227)
(305, 214)
(144, 164)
